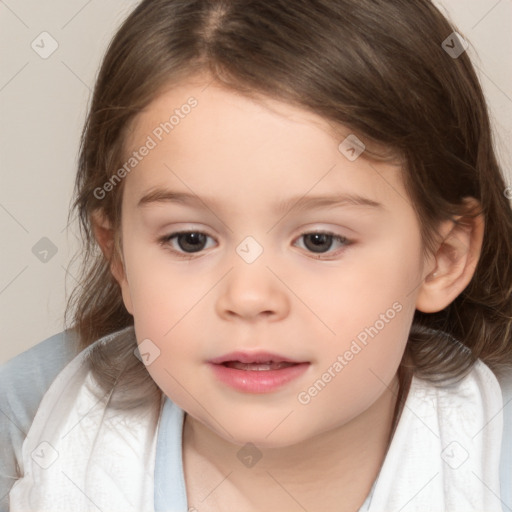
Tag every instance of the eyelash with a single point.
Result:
(165, 242)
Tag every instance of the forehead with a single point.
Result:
(211, 140)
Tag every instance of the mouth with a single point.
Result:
(254, 358)
(258, 367)
(256, 372)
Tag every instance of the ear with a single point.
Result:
(105, 236)
(455, 260)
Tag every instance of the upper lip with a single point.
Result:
(252, 357)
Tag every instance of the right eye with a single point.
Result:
(188, 242)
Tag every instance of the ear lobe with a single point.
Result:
(455, 261)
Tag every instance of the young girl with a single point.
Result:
(302, 300)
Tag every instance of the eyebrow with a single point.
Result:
(300, 203)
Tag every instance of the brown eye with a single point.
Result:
(191, 242)
(187, 242)
(318, 242)
(322, 242)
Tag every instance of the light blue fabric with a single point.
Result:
(506, 445)
(23, 381)
(170, 498)
(26, 378)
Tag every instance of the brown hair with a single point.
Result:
(375, 66)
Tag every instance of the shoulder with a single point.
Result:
(505, 380)
(24, 380)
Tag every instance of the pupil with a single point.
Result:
(191, 241)
(321, 238)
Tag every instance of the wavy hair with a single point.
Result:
(377, 67)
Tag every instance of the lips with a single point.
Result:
(237, 365)
(254, 358)
(256, 372)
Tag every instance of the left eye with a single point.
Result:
(190, 242)
(320, 242)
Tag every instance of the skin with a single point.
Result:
(248, 155)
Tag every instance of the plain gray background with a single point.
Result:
(43, 102)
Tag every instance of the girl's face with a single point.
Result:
(249, 176)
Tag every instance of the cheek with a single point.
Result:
(374, 290)
(371, 315)
(161, 293)
(164, 304)
(164, 310)
(355, 372)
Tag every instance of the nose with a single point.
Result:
(250, 292)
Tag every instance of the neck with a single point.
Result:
(345, 473)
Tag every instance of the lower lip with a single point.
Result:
(257, 381)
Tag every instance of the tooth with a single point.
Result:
(257, 366)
